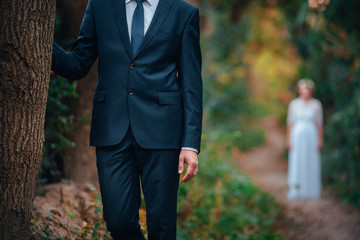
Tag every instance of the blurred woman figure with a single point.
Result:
(304, 140)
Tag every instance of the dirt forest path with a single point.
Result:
(326, 219)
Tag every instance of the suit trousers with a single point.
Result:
(121, 168)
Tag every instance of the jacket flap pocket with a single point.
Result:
(99, 96)
(169, 98)
(170, 36)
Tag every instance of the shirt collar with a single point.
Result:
(151, 2)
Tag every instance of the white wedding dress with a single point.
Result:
(304, 172)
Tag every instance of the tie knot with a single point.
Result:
(139, 1)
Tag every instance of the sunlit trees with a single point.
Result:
(319, 5)
(328, 42)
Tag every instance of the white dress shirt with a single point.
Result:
(149, 12)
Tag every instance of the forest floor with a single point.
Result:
(325, 219)
(69, 210)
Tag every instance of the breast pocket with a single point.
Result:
(168, 36)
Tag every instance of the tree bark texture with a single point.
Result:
(79, 161)
(26, 34)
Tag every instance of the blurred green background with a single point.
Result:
(254, 52)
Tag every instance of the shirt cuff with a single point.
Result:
(190, 149)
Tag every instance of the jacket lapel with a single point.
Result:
(121, 23)
(159, 17)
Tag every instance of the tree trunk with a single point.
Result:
(79, 161)
(26, 33)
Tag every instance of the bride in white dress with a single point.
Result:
(304, 140)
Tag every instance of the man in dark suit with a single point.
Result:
(147, 106)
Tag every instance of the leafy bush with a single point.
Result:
(222, 203)
(58, 124)
(342, 153)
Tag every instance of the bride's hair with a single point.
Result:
(305, 82)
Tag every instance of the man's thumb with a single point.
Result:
(181, 164)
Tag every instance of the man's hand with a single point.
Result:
(190, 158)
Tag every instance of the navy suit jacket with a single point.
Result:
(158, 91)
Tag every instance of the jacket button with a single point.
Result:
(132, 66)
(131, 92)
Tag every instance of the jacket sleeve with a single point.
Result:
(191, 82)
(77, 63)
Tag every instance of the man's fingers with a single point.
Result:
(191, 172)
(188, 176)
(190, 158)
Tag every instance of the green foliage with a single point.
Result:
(99, 231)
(342, 153)
(45, 233)
(250, 138)
(222, 203)
(228, 108)
(329, 43)
(58, 124)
